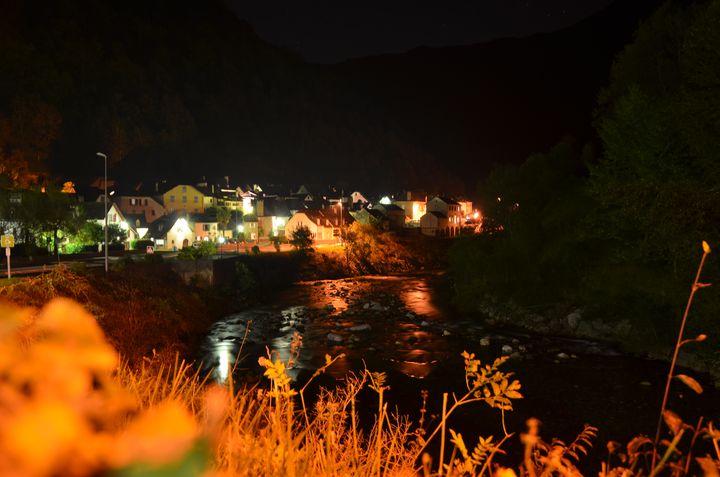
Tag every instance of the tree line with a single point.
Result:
(615, 226)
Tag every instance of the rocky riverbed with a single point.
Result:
(400, 325)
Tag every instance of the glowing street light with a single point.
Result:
(341, 218)
(104, 156)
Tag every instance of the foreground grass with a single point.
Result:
(144, 309)
(68, 406)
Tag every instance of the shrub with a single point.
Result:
(204, 250)
(301, 238)
(141, 244)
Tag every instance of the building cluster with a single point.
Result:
(179, 215)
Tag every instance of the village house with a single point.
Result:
(184, 198)
(443, 207)
(372, 217)
(358, 201)
(324, 224)
(250, 228)
(95, 212)
(434, 224)
(140, 204)
(272, 215)
(205, 226)
(466, 208)
(172, 232)
(414, 204)
(395, 215)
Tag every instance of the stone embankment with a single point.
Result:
(575, 323)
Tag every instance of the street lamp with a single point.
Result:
(106, 211)
(341, 219)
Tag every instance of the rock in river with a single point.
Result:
(334, 337)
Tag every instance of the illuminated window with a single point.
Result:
(195, 199)
(184, 199)
(172, 198)
(184, 189)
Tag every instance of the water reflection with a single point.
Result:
(396, 325)
(417, 297)
(375, 321)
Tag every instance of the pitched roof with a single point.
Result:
(94, 210)
(136, 220)
(159, 228)
(389, 208)
(332, 215)
(206, 217)
(276, 208)
(447, 200)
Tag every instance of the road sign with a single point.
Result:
(7, 254)
(7, 241)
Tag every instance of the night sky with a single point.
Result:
(328, 31)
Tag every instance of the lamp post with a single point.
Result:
(104, 156)
(341, 219)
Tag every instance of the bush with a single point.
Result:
(153, 258)
(204, 250)
(141, 244)
(255, 250)
(301, 238)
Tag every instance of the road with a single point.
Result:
(22, 266)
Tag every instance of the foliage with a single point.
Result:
(369, 250)
(204, 249)
(655, 184)
(223, 216)
(255, 250)
(614, 232)
(90, 233)
(68, 404)
(301, 239)
(145, 307)
(143, 96)
(28, 131)
(533, 242)
(141, 244)
(244, 278)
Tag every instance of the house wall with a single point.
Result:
(264, 223)
(180, 235)
(206, 231)
(433, 226)
(300, 219)
(466, 208)
(414, 210)
(142, 205)
(452, 211)
(184, 198)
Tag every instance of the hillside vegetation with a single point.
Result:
(615, 232)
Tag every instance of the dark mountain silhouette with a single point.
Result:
(499, 102)
(183, 89)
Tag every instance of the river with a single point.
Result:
(402, 326)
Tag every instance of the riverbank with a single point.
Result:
(145, 309)
(583, 323)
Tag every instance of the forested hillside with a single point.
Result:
(181, 88)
